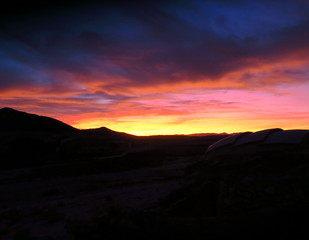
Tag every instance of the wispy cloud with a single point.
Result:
(153, 59)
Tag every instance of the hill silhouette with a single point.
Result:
(30, 140)
(15, 121)
(12, 120)
(106, 132)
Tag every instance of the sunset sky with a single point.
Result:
(159, 67)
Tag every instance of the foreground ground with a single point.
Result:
(34, 206)
(57, 182)
(151, 188)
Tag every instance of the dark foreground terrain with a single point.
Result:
(95, 199)
(100, 184)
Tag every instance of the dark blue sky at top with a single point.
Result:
(145, 42)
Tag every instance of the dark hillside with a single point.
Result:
(106, 132)
(31, 140)
(12, 120)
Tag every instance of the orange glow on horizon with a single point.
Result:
(152, 127)
(218, 123)
(259, 96)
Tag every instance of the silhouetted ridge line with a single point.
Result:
(12, 120)
(104, 131)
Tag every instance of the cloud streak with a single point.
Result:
(128, 59)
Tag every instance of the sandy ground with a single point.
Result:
(43, 207)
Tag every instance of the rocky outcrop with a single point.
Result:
(250, 172)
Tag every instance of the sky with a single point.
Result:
(158, 67)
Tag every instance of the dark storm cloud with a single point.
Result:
(146, 43)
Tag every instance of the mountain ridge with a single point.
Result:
(12, 120)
